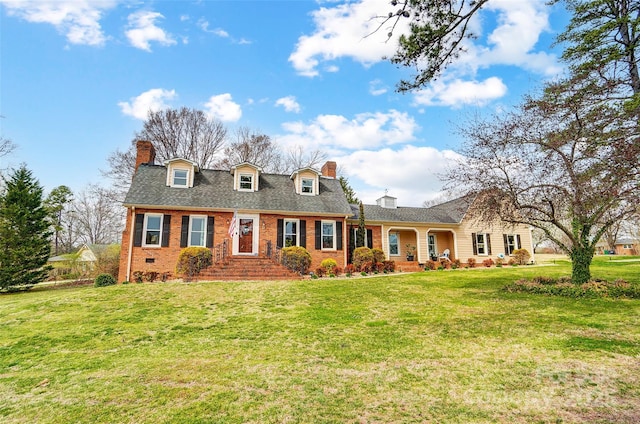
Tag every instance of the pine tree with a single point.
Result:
(24, 232)
(362, 229)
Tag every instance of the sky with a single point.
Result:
(78, 77)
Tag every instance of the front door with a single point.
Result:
(245, 236)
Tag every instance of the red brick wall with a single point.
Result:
(165, 258)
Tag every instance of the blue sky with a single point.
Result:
(78, 77)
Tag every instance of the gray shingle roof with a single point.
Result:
(213, 189)
(451, 212)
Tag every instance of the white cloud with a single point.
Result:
(410, 174)
(289, 103)
(151, 100)
(204, 25)
(79, 20)
(143, 30)
(337, 133)
(345, 30)
(222, 107)
(457, 93)
(377, 88)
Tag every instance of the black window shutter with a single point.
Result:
(303, 234)
(184, 231)
(519, 246)
(506, 244)
(280, 235)
(339, 235)
(210, 232)
(166, 225)
(369, 238)
(488, 244)
(318, 235)
(137, 232)
(475, 243)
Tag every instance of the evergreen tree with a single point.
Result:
(362, 229)
(348, 191)
(24, 232)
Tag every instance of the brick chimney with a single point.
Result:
(329, 169)
(145, 153)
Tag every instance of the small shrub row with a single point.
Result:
(565, 287)
(150, 276)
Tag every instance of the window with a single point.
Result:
(481, 244)
(355, 237)
(291, 233)
(246, 182)
(197, 231)
(393, 244)
(307, 186)
(328, 234)
(152, 230)
(511, 243)
(626, 246)
(433, 249)
(180, 178)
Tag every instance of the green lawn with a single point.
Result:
(438, 346)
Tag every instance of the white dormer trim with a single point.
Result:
(180, 172)
(306, 181)
(246, 177)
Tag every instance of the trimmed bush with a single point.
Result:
(487, 262)
(362, 255)
(296, 258)
(329, 265)
(378, 255)
(521, 256)
(471, 262)
(104, 280)
(192, 260)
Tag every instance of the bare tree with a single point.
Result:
(299, 157)
(98, 216)
(184, 133)
(6, 146)
(567, 163)
(257, 149)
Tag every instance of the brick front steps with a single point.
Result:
(241, 268)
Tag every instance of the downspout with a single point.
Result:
(345, 250)
(131, 231)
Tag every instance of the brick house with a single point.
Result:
(244, 215)
(175, 205)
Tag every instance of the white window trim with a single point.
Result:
(173, 178)
(284, 231)
(313, 186)
(435, 244)
(484, 244)
(335, 236)
(145, 229)
(204, 231)
(355, 235)
(397, 243)
(244, 174)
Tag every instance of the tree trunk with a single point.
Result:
(581, 264)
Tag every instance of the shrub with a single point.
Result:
(337, 271)
(137, 276)
(104, 280)
(328, 265)
(192, 260)
(378, 255)
(389, 266)
(366, 267)
(487, 262)
(320, 272)
(471, 262)
(296, 258)
(455, 264)
(360, 256)
(430, 265)
(349, 270)
(521, 256)
(150, 276)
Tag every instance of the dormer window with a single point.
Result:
(307, 185)
(246, 182)
(180, 178)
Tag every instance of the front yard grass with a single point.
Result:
(437, 346)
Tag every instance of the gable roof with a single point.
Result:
(213, 189)
(452, 212)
